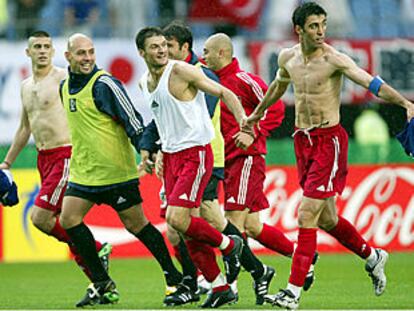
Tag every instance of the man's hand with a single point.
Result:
(251, 120)
(4, 166)
(146, 163)
(159, 165)
(243, 140)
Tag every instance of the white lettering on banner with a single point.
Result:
(382, 183)
(374, 205)
(406, 235)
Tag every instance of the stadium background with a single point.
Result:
(378, 34)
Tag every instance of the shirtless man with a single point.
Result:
(174, 91)
(43, 116)
(316, 70)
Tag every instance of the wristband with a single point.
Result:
(375, 85)
(7, 163)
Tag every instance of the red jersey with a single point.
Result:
(250, 89)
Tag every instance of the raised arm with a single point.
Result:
(194, 76)
(20, 140)
(375, 84)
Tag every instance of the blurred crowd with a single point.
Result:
(121, 18)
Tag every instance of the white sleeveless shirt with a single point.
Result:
(181, 124)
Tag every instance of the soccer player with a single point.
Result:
(174, 91)
(42, 110)
(316, 70)
(245, 169)
(103, 123)
(179, 42)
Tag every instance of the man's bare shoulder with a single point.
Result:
(59, 72)
(26, 82)
(288, 53)
(336, 58)
(181, 67)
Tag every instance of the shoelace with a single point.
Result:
(307, 131)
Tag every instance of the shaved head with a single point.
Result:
(80, 54)
(76, 39)
(218, 51)
(221, 41)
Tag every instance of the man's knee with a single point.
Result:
(69, 221)
(133, 219)
(253, 229)
(178, 218)
(253, 225)
(210, 211)
(328, 224)
(42, 219)
(173, 236)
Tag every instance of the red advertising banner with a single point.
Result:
(391, 59)
(244, 13)
(379, 200)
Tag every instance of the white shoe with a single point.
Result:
(284, 299)
(203, 285)
(376, 272)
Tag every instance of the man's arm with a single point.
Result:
(375, 84)
(195, 77)
(112, 99)
(276, 90)
(20, 140)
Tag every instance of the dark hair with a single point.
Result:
(179, 31)
(39, 34)
(145, 33)
(305, 10)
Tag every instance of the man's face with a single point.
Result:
(211, 56)
(175, 51)
(81, 56)
(314, 30)
(155, 51)
(40, 51)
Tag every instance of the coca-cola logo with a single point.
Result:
(378, 200)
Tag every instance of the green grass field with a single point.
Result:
(341, 284)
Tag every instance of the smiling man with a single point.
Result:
(41, 111)
(316, 70)
(103, 124)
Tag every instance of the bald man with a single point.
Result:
(103, 124)
(41, 111)
(244, 170)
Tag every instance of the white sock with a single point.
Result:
(225, 242)
(296, 290)
(220, 280)
(372, 258)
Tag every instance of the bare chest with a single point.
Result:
(41, 96)
(314, 75)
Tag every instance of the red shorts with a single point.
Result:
(243, 184)
(53, 166)
(322, 166)
(186, 174)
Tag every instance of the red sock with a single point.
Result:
(177, 253)
(204, 259)
(220, 288)
(348, 236)
(303, 256)
(202, 231)
(275, 240)
(59, 233)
